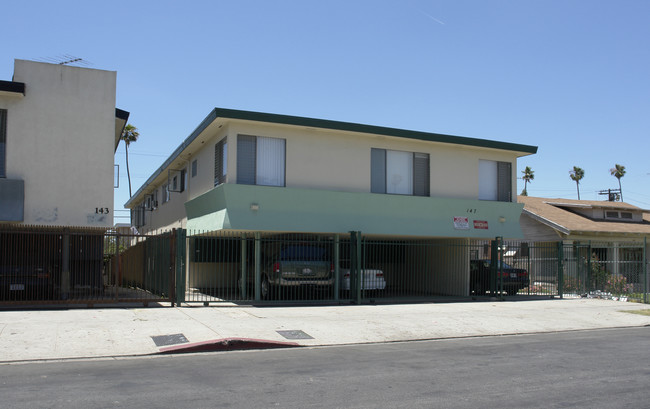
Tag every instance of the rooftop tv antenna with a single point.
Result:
(66, 59)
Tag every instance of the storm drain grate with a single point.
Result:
(173, 339)
(295, 334)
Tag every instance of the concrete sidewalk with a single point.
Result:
(113, 332)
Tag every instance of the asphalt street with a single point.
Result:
(592, 368)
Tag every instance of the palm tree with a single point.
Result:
(576, 175)
(130, 134)
(529, 175)
(618, 171)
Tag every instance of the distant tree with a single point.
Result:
(529, 175)
(618, 171)
(576, 175)
(130, 134)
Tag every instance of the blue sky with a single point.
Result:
(571, 77)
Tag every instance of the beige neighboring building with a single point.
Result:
(614, 233)
(567, 220)
(59, 130)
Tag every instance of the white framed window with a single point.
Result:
(165, 193)
(399, 172)
(137, 215)
(494, 180)
(260, 160)
(183, 180)
(611, 214)
(195, 166)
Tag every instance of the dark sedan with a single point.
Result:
(510, 278)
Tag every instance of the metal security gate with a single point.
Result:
(249, 267)
(95, 267)
(85, 266)
(605, 270)
(506, 267)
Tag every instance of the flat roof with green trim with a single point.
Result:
(328, 124)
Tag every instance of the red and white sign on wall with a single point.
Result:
(461, 223)
(481, 224)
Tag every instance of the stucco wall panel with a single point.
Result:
(60, 141)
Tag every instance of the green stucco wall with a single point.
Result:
(231, 206)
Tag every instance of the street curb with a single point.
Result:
(227, 344)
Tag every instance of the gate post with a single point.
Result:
(172, 267)
(65, 266)
(337, 275)
(589, 275)
(560, 269)
(355, 251)
(116, 272)
(496, 283)
(258, 267)
(645, 270)
(243, 281)
(180, 268)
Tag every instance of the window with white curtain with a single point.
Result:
(399, 172)
(494, 180)
(260, 160)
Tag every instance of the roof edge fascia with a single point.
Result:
(199, 129)
(371, 129)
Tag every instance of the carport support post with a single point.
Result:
(258, 268)
(337, 276)
(560, 269)
(242, 282)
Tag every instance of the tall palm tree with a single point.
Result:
(618, 171)
(576, 175)
(130, 134)
(529, 175)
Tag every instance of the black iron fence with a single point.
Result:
(84, 266)
(106, 266)
(594, 269)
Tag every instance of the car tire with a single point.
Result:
(265, 289)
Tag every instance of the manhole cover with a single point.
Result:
(295, 334)
(173, 339)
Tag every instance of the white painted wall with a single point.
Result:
(60, 141)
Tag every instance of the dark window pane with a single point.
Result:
(378, 170)
(246, 147)
(421, 174)
(504, 182)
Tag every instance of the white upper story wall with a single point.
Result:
(60, 140)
